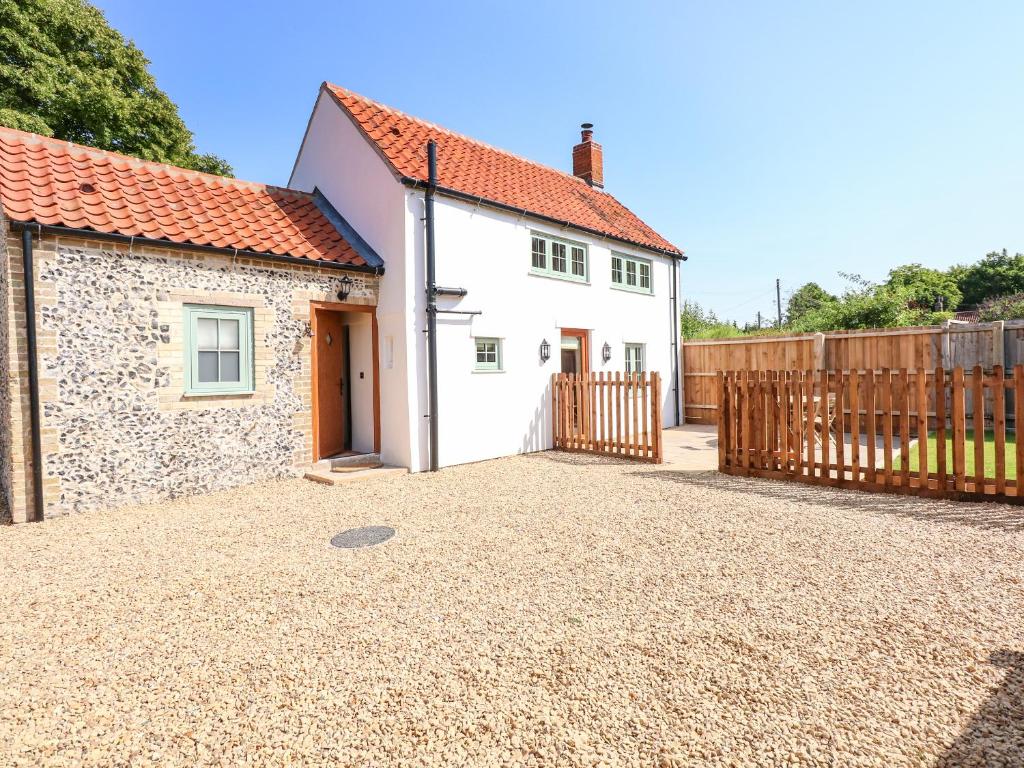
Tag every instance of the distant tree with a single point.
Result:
(1002, 308)
(868, 305)
(64, 72)
(998, 274)
(698, 323)
(807, 298)
(925, 288)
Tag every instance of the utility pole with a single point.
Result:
(759, 319)
(778, 301)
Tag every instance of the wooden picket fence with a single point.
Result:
(855, 429)
(615, 415)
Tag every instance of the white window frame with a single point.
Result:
(487, 366)
(634, 351)
(625, 266)
(243, 315)
(548, 252)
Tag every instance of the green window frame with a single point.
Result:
(635, 362)
(488, 353)
(630, 273)
(560, 258)
(218, 350)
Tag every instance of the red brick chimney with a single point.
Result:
(588, 158)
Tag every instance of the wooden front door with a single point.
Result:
(575, 355)
(330, 400)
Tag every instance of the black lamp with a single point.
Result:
(606, 352)
(545, 351)
(346, 288)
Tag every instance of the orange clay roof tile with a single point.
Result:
(474, 168)
(53, 182)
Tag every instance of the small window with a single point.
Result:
(540, 253)
(488, 354)
(579, 262)
(218, 350)
(634, 358)
(558, 257)
(555, 257)
(631, 274)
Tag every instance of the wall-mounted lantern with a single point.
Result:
(545, 351)
(606, 352)
(346, 288)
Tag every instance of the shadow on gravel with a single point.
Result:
(989, 516)
(995, 735)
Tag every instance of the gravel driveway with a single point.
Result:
(541, 610)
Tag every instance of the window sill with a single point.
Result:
(498, 370)
(226, 393)
(566, 279)
(627, 289)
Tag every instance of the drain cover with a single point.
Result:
(354, 538)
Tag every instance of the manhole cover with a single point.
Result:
(362, 537)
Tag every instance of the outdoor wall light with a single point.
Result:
(346, 288)
(545, 351)
(606, 352)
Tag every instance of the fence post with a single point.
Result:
(978, 424)
(998, 342)
(999, 426)
(1018, 418)
(940, 427)
(959, 409)
(819, 351)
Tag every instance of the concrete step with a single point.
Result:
(347, 460)
(330, 477)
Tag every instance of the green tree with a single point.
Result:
(998, 274)
(806, 298)
(699, 323)
(868, 305)
(64, 72)
(925, 288)
(1002, 308)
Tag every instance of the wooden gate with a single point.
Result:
(923, 432)
(616, 415)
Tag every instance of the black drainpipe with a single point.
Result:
(431, 301)
(33, 376)
(675, 338)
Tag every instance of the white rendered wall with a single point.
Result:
(360, 342)
(338, 160)
(486, 415)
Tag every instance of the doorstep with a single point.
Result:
(349, 468)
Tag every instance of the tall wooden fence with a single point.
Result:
(616, 415)
(949, 345)
(874, 431)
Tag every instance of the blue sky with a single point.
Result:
(770, 139)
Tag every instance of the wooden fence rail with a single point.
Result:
(616, 415)
(903, 431)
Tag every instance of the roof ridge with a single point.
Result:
(458, 135)
(28, 138)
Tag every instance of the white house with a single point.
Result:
(542, 255)
(170, 332)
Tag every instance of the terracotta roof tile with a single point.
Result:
(58, 183)
(474, 168)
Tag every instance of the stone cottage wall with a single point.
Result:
(117, 425)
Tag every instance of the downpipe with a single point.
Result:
(33, 376)
(431, 302)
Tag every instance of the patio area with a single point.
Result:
(545, 609)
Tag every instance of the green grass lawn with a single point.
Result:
(990, 454)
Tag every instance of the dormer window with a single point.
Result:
(558, 257)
